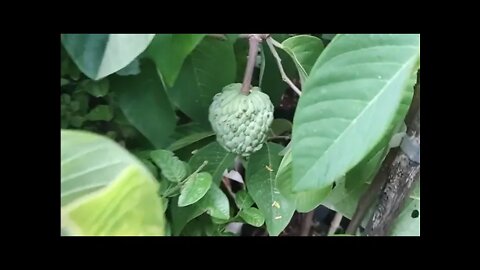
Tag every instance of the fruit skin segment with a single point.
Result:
(241, 122)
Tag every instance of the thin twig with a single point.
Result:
(335, 223)
(307, 223)
(254, 40)
(279, 62)
(280, 137)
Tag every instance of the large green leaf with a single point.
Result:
(262, 186)
(243, 200)
(344, 201)
(272, 82)
(145, 104)
(304, 50)
(408, 221)
(347, 104)
(209, 68)
(172, 168)
(169, 52)
(194, 188)
(90, 162)
(99, 55)
(129, 206)
(218, 160)
(372, 161)
(305, 201)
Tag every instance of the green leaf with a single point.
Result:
(280, 126)
(252, 216)
(189, 129)
(182, 215)
(304, 50)
(408, 221)
(347, 104)
(218, 160)
(232, 37)
(145, 104)
(95, 88)
(371, 163)
(262, 186)
(100, 113)
(150, 167)
(89, 162)
(209, 68)
(243, 200)
(172, 168)
(169, 51)
(194, 188)
(305, 201)
(345, 201)
(272, 83)
(215, 203)
(129, 206)
(77, 121)
(99, 55)
(189, 139)
(64, 81)
(131, 69)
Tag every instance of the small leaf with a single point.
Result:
(304, 50)
(263, 187)
(243, 200)
(77, 121)
(100, 113)
(131, 69)
(99, 55)
(169, 51)
(348, 103)
(172, 168)
(96, 88)
(189, 139)
(194, 188)
(280, 126)
(252, 216)
(216, 204)
(218, 160)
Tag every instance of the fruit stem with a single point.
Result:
(253, 41)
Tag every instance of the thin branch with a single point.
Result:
(369, 197)
(280, 137)
(254, 40)
(307, 223)
(335, 223)
(279, 62)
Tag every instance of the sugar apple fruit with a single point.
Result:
(241, 122)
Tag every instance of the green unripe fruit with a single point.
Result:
(240, 121)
